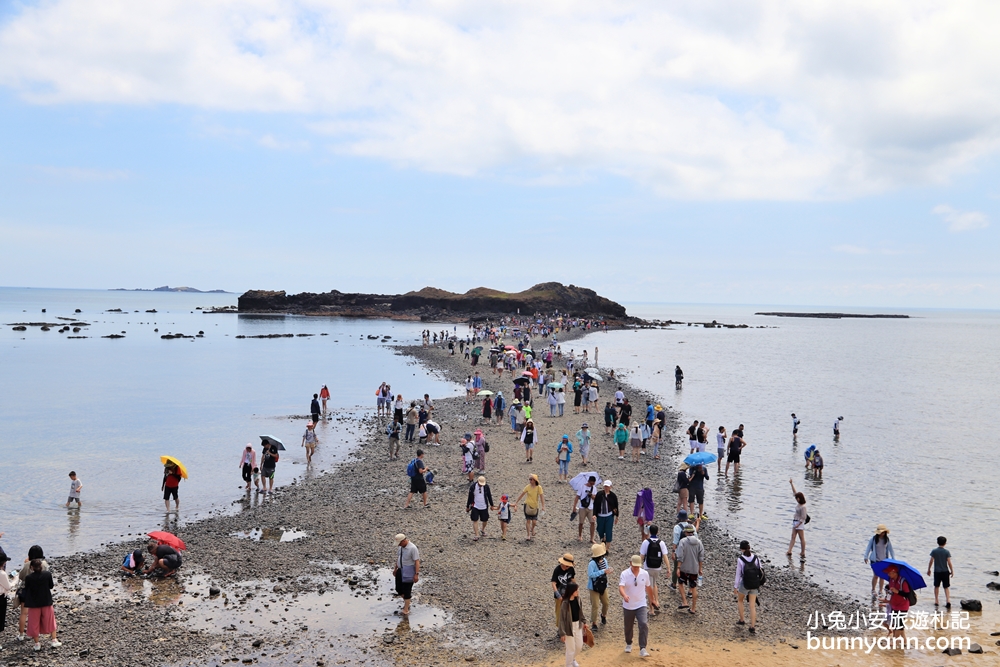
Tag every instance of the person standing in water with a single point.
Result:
(795, 425)
(171, 481)
(324, 396)
(309, 441)
(798, 523)
(879, 548)
(248, 461)
(836, 427)
(315, 409)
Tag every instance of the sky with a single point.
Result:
(762, 152)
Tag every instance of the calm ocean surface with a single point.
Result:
(109, 408)
(919, 399)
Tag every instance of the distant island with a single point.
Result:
(837, 316)
(165, 288)
(432, 304)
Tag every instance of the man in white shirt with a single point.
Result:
(619, 396)
(406, 570)
(795, 424)
(633, 586)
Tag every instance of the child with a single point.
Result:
(809, 456)
(133, 562)
(74, 490)
(817, 463)
(256, 478)
(943, 571)
(504, 515)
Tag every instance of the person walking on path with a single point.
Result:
(412, 417)
(683, 484)
(633, 586)
(478, 505)
(606, 513)
(879, 548)
(655, 434)
(621, 439)
(499, 407)
(571, 624)
(653, 552)
(696, 494)
(561, 400)
(690, 555)
(75, 486)
(515, 414)
(550, 398)
(418, 483)
(592, 398)
(583, 440)
(749, 579)
(248, 461)
(598, 573)
(563, 451)
(682, 523)
(38, 587)
(644, 510)
(309, 441)
(487, 409)
(397, 409)
(481, 448)
(798, 523)
(406, 570)
(315, 409)
(561, 578)
(393, 442)
(583, 508)
(528, 438)
(635, 436)
(534, 505)
(609, 417)
(943, 570)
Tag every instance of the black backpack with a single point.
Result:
(753, 574)
(654, 561)
(601, 582)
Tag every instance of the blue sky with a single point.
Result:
(815, 153)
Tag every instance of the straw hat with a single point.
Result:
(567, 559)
(684, 466)
(534, 477)
(881, 529)
(481, 481)
(598, 550)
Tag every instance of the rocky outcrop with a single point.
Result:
(431, 303)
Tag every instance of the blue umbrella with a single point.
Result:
(906, 571)
(700, 459)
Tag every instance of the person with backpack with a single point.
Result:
(415, 470)
(652, 551)
(598, 572)
(682, 523)
(901, 597)
(749, 578)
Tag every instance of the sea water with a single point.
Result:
(919, 398)
(109, 408)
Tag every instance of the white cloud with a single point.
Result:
(852, 249)
(961, 221)
(269, 141)
(83, 174)
(716, 99)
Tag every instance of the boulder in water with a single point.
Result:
(971, 605)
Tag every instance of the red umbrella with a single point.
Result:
(169, 539)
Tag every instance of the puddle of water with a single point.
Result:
(272, 534)
(349, 601)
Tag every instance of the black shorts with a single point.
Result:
(172, 561)
(942, 579)
(733, 458)
(404, 589)
(432, 429)
(480, 515)
(696, 496)
(267, 473)
(689, 580)
(418, 484)
(315, 417)
(169, 491)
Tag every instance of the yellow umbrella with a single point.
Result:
(180, 466)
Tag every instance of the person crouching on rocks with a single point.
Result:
(165, 558)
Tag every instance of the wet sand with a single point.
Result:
(487, 601)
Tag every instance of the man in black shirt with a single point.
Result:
(314, 408)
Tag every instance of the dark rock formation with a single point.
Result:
(837, 316)
(432, 303)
